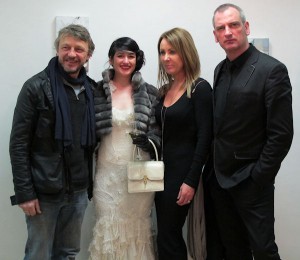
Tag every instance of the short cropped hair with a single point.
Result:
(224, 7)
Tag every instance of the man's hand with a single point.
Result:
(31, 208)
(185, 195)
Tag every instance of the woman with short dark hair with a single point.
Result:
(123, 102)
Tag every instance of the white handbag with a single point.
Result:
(145, 176)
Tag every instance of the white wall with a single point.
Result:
(27, 35)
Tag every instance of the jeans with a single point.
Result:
(55, 233)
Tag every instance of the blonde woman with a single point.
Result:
(185, 116)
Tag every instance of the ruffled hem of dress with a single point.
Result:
(115, 239)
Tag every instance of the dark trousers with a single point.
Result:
(244, 217)
(170, 221)
(214, 247)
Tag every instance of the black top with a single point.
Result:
(228, 75)
(187, 132)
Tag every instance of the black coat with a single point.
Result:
(255, 131)
(36, 158)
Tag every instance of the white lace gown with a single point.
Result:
(123, 229)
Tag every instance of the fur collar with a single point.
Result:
(108, 74)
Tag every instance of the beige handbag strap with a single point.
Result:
(135, 148)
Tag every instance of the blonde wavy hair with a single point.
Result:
(183, 43)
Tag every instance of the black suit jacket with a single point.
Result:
(255, 130)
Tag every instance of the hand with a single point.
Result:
(31, 208)
(185, 195)
(140, 140)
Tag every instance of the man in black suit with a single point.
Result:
(253, 131)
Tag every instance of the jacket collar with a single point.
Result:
(108, 75)
(251, 58)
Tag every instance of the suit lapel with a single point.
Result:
(247, 70)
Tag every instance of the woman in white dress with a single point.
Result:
(123, 102)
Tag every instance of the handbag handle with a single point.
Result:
(155, 150)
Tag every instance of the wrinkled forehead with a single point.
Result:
(226, 16)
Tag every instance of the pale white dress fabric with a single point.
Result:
(123, 228)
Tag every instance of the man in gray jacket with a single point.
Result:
(51, 146)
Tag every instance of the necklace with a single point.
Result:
(163, 112)
(172, 99)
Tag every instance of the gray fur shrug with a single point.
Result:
(145, 98)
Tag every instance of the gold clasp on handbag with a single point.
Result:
(145, 180)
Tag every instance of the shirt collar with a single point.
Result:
(240, 61)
